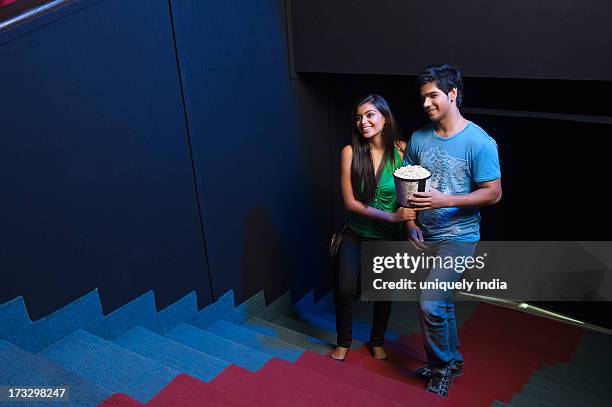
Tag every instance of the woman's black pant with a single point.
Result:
(347, 287)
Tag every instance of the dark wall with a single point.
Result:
(548, 39)
(541, 159)
(102, 163)
(95, 166)
(261, 147)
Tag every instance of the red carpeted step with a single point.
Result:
(461, 395)
(476, 351)
(498, 378)
(480, 346)
(382, 386)
(514, 369)
(502, 349)
(257, 389)
(187, 391)
(494, 370)
(120, 400)
(334, 391)
(523, 331)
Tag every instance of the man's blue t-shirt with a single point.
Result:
(457, 163)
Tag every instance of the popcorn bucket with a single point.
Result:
(404, 188)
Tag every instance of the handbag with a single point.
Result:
(336, 239)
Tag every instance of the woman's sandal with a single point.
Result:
(378, 353)
(339, 353)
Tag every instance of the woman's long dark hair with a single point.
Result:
(363, 178)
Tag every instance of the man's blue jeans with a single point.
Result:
(438, 316)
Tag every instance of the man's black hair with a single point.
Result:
(445, 77)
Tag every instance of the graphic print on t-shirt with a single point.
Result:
(449, 176)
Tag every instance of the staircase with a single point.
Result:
(255, 354)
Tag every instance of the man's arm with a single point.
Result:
(488, 193)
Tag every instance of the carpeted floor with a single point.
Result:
(255, 354)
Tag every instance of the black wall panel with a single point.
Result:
(541, 159)
(98, 189)
(266, 200)
(547, 39)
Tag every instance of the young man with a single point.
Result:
(464, 163)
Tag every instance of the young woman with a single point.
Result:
(368, 190)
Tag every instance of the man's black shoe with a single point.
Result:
(439, 382)
(456, 370)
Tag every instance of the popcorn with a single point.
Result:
(412, 172)
(408, 180)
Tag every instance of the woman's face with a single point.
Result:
(369, 121)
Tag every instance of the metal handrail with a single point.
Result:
(32, 13)
(533, 310)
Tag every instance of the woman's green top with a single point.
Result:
(385, 200)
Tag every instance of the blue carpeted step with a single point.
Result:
(254, 306)
(308, 305)
(110, 365)
(138, 312)
(398, 322)
(550, 396)
(220, 309)
(581, 371)
(185, 310)
(324, 304)
(21, 368)
(519, 400)
(219, 347)
(83, 313)
(305, 328)
(600, 341)
(584, 387)
(326, 321)
(362, 311)
(280, 306)
(594, 352)
(263, 343)
(288, 335)
(567, 392)
(361, 330)
(402, 312)
(563, 372)
(592, 363)
(172, 354)
(404, 318)
(15, 321)
(313, 321)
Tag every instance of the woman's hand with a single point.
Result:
(403, 215)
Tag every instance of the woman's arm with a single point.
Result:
(353, 205)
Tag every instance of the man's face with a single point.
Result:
(436, 103)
